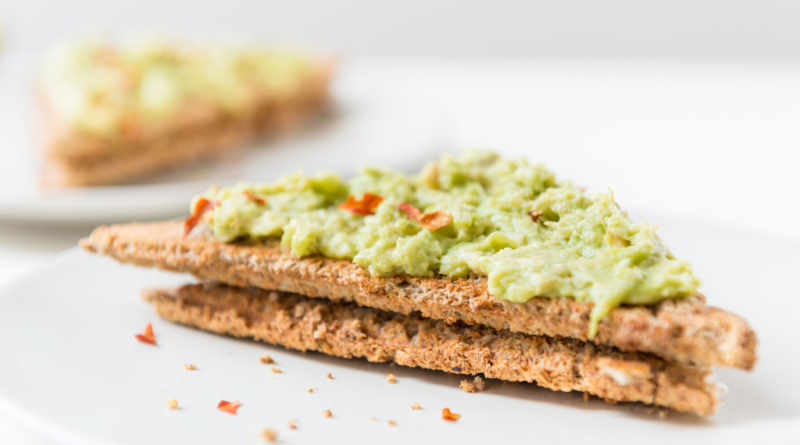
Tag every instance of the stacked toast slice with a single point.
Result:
(116, 113)
(658, 354)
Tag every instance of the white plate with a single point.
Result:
(72, 371)
(369, 125)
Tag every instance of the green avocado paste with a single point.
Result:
(529, 235)
(99, 88)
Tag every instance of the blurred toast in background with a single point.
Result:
(114, 113)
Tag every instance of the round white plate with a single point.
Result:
(369, 124)
(72, 371)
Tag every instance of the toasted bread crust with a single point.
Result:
(347, 330)
(684, 331)
(77, 159)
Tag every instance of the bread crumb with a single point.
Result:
(475, 385)
(373, 418)
(392, 422)
(447, 415)
(276, 370)
(416, 406)
(330, 376)
(189, 367)
(292, 425)
(327, 413)
(390, 378)
(266, 359)
(269, 435)
(310, 389)
(172, 404)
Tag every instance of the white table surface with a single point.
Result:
(716, 142)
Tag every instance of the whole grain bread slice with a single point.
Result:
(685, 331)
(347, 330)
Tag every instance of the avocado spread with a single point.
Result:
(98, 88)
(511, 222)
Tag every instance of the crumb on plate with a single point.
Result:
(330, 376)
(390, 378)
(269, 435)
(292, 425)
(416, 406)
(327, 413)
(172, 404)
(189, 367)
(276, 370)
(392, 422)
(266, 359)
(475, 385)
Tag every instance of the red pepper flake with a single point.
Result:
(229, 407)
(201, 206)
(535, 215)
(252, 196)
(435, 220)
(366, 206)
(431, 221)
(447, 415)
(411, 211)
(148, 336)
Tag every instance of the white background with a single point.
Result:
(686, 108)
(616, 28)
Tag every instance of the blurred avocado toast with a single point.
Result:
(115, 113)
(477, 264)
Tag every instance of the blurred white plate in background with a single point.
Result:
(72, 371)
(366, 126)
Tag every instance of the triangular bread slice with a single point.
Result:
(347, 330)
(685, 331)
